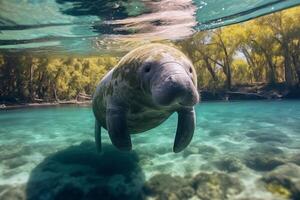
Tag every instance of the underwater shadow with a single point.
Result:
(79, 172)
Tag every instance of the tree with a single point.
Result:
(29, 78)
(286, 32)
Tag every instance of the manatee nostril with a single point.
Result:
(190, 70)
(147, 69)
(171, 78)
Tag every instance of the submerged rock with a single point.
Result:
(277, 137)
(295, 159)
(207, 151)
(186, 192)
(14, 162)
(190, 151)
(272, 138)
(8, 192)
(229, 164)
(14, 151)
(284, 181)
(251, 198)
(264, 158)
(162, 150)
(215, 132)
(263, 162)
(165, 186)
(266, 149)
(216, 186)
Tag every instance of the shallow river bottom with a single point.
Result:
(240, 150)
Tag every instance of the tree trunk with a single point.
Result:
(228, 76)
(210, 69)
(41, 84)
(288, 71)
(31, 91)
(227, 63)
(251, 64)
(271, 74)
(296, 63)
(55, 93)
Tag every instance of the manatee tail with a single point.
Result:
(185, 129)
(98, 136)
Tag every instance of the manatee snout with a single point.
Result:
(175, 88)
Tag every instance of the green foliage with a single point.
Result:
(27, 78)
(241, 72)
(266, 50)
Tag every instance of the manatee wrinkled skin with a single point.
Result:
(148, 85)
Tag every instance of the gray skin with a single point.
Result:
(148, 85)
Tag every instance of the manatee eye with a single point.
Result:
(147, 69)
(190, 70)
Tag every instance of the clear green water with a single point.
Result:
(238, 131)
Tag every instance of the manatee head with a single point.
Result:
(168, 76)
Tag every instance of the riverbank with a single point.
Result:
(81, 99)
(258, 91)
(44, 104)
(237, 93)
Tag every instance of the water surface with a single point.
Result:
(101, 26)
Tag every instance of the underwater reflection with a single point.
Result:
(103, 26)
(92, 26)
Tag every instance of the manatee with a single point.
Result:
(148, 85)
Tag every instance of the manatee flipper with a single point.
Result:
(98, 136)
(117, 128)
(185, 128)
